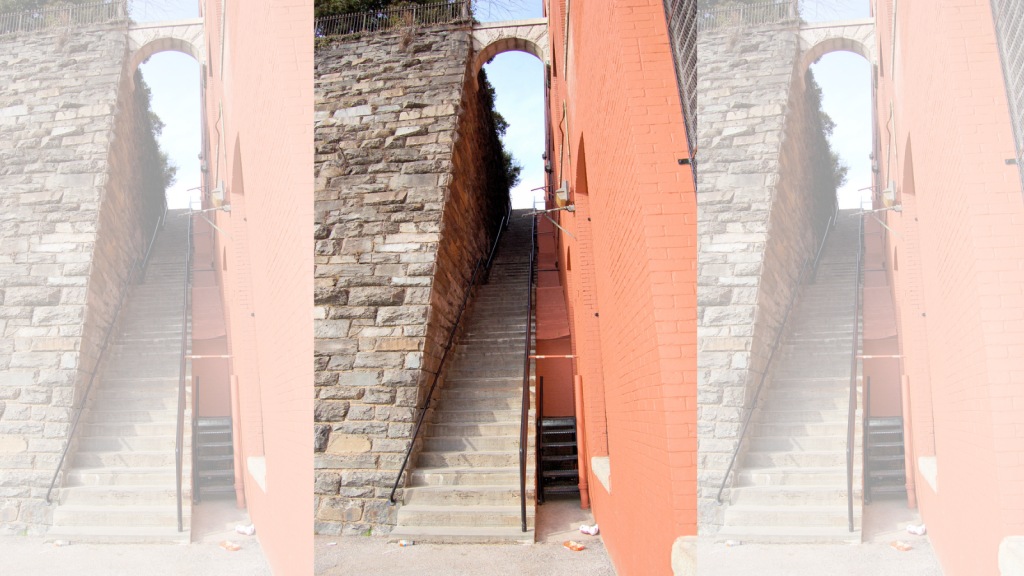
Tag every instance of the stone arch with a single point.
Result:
(820, 38)
(493, 38)
(149, 38)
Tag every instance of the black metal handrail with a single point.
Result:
(764, 374)
(179, 438)
(444, 356)
(524, 417)
(103, 349)
(865, 430)
(851, 416)
(92, 376)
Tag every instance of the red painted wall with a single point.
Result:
(631, 292)
(259, 142)
(958, 291)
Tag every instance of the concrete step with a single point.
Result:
(463, 534)
(126, 443)
(120, 459)
(129, 534)
(465, 416)
(800, 495)
(794, 476)
(101, 495)
(474, 429)
(125, 429)
(482, 404)
(506, 443)
(474, 476)
(514, 390)
(798, 443)
(790, 404)
(157, 404)
(802, 516)
(787, 459)
(141, 516)
(804, 416)
(121, 476)
(799, 429)
(789, 534)
(468, 459)
(466, 495)
(463, 516)
(130, 416)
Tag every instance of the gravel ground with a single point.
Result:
(212, 523)
(558, 521)
(885, 521)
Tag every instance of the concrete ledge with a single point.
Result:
(928, 466)
(684, 556)
(258, 470)
(602, 468)
(1011, 556)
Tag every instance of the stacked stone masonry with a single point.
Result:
(73, 217)
(405, 205)
(760, 215)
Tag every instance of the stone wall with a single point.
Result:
(404, 207)
(760, 214)
(67, 147)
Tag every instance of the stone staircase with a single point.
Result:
(465, 486)
(119, 484)
(791, 482)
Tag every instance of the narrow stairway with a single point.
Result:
(791, 483)
(558, 458)
(215, 459)
(886, 474)
(120, 484)
(465, 485)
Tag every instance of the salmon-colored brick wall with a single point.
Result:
(259, 142)
(631, 294)
(959, 289)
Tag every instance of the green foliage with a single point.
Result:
(159, 173)
(511, 169)
(830, 170)
(323, 8)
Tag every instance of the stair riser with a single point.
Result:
(809, 443)
(118, 497)
(473, 430)
(128, 517)
(808, 404)
(476, 460)
(837, 478)
(165, 404)
(485, 444)
(118, 459)
(804, 417)
(738, 517)
(800, 430)
(498, 404)
(465, 478)
(79, 478)
(139, 429)
(455, 497)
(129, 416)
(786, 459)
(409, 518)
(129, 443)
(467, 416)
(792, 497)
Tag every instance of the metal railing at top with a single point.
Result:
(451, 337)
(747, 15)
(384, 20)
(103, 349)
(682, 25)
(63, 17)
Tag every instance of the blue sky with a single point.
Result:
(518, 81)
(173, 79)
